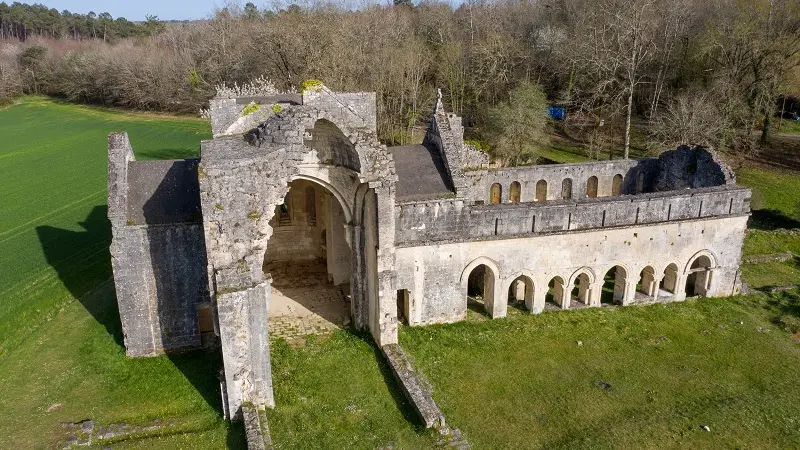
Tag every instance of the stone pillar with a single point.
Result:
(387, 296)
(630, 293)
(339, 261)
(245, 348)
(595, 291)
(559, 296)
(584, 290)
(538, 300)
(519, 288)
(648, 282)
(496, 303)
(620, 286)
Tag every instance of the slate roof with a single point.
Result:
(421, 173)
(162, 192)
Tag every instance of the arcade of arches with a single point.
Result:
(485, 286)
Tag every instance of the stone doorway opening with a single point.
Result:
(309, 260)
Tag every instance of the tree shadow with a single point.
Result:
(771, 219)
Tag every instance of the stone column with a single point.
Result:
(387, 296)
(539, 298)
(630, 293)
(245, 348)
(595, 291)
(494, 299)
(339, 261)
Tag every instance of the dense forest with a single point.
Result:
(22, 21)
(703, 71)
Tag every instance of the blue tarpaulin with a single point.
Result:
(556, 112)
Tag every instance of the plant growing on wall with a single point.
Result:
(250, 109)
(312, 85)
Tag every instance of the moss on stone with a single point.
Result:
(312, 85)
(250, 109)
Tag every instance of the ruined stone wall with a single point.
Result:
(435, 274)
(481, 181)
(160, 278)
(242, 180)
(158, 251)
(420, 223)
(680, 169)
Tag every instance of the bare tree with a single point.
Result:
(617, 44)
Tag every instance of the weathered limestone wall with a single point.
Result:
(436, 275)
(158, 252)
(243, 180)
(160, 278)
(354, 108)
(453, 220)
(683, 168)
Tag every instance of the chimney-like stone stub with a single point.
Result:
(120, 153)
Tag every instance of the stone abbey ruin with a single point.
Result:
(298, 201)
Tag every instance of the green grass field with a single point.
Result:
(522, 382)
(637, 377)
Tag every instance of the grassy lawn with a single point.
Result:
(775, 204)
(788, 126)
(53, 176)
(638, 377)
(339, 394)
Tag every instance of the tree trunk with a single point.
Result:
(766, 125)
(628, 123)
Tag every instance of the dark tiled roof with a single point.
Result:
(161, 192)
(420, 172)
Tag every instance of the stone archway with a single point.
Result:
(243, 182)
(310, 278)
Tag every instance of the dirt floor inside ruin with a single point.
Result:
(304, 301)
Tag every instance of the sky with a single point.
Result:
(138, 9)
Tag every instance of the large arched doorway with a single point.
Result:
(698, 279)
(309, 259)
(614, 286)
(480, 289)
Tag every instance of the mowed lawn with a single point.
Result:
(636, 377)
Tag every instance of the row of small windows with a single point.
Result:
(515, 190)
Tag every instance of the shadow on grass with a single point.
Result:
(83, 262)
(771, 219)
(786, 307)
(476, 306)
